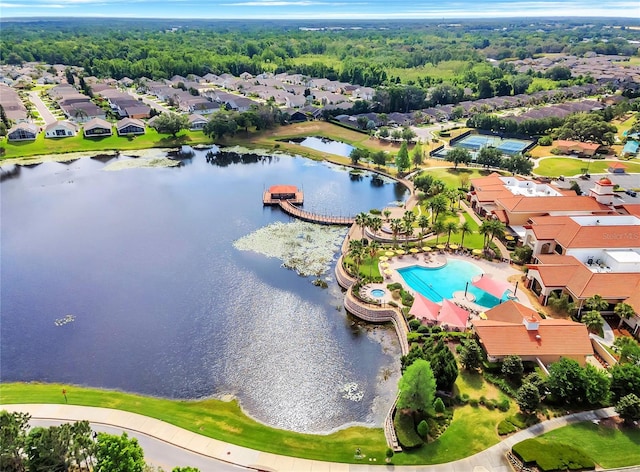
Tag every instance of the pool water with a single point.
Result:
(377, 292)
(442, 282)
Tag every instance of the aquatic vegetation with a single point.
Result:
(351, 391)
(63, 321)
(304, 247)
(141, 163)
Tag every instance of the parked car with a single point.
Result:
(631, 193)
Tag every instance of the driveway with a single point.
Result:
(43, 110)
(151, 103)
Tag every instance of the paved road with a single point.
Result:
(211, 451)
(46, 115)
(157, 452)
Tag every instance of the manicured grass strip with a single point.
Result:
(556, 166)
(213, 418)
(79, 143)
(551, 456)
(608, 446)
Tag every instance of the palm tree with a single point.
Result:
(396, 227)
(356, 252)
(593, 321)
(485, 230)
(407, 229)
(596, 302)
(375, 224)
(361, 220)
(464, 228)
(438, 227)
(387, 214)
(437, 205)
(624, 311)
(423, 223)
(560, 302)
(450, 227)
(497, 229)
(374, 246)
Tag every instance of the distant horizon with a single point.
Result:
(312, 10)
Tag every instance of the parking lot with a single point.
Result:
(626, 181)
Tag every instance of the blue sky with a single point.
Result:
(321, 9)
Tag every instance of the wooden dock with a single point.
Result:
(288, 207)
(267, 199)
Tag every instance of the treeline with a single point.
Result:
(372, 54)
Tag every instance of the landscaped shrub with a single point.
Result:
(375, 211)
(491, 366)
(423, 429)
(545, 141)
(473, 402)
(504, 404)
(406, 431)
(501, 383)
(424, 329)
(392, 303)
(505, 427)
(407, 298)
(414, 337)
(551, 456)
(438, 406)
(394, 286)
(415, 324)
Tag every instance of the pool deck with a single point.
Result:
(435, 259)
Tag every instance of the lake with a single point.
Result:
(325, 145)
(165, 305)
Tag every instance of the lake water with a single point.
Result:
(327, 145)
(165, 305)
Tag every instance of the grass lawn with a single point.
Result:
(555, 166)
(78, 143)
(472, 430)
(213, 418)
(474, 385)
(445, 70)
(451, 177)
(608, 446)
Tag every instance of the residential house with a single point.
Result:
(130, 127)
(577, 148)
(23, 132)
(618, 167)
(61, 129)
(97, 127)
(197, 122)
(514, 329)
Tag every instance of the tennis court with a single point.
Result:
(507, 146)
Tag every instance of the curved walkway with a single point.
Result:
(303, 215)
(489, 460)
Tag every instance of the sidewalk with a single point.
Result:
(489, 460)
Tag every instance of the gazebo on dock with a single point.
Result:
(276, 193)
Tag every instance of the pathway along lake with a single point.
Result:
(163, 303)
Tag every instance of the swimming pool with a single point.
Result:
(442, 282)
(377, 292)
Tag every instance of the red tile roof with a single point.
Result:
(521, 204)
(577, 145)
(511, 312)
(279, 189)
(552, 338)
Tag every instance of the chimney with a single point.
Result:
(531, 323)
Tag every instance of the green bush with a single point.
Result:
(505, 427)
(473, 402)
(392, 303)
(423, 429)
(415, 324)
(501, 383)
(424, 329)
(375, 211)
(406, 431)
(551, 456)
(414, 337)
(394, 286)
(545, 141)
(504, 405)
(407, 298)
(491, 366)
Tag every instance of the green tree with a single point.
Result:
(219, 125)
(628, 407)
(593, 321)
(379, 158)
(450, 227)
(171, 123)
(438, 406)
(625, 379)
(489, 157)
(47, 448)
(408, 134)
(587, 127)
(629, 349)
(471, 355)
(597, 385)
(396, 227)
(561, 303)
(13, 440)
(528, 398)
(464, 228)
(518, 164)
(458, 155)
(437, 205)
(624, 311)
(356, 252)
(402, 158)
(512, 367)
(566, 381)
(118, 454)
(596, 302)
(438, 229)
(417, 387)
(417, 156)
(443, 364)
(185, 469)
(423, 429)
(358, 155)
(423, 224)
